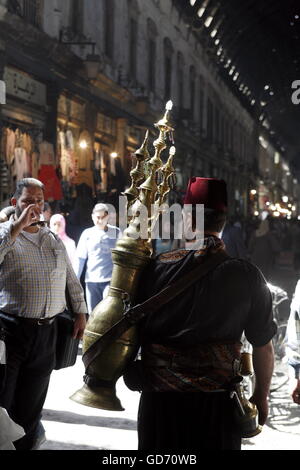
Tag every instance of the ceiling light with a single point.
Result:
(208, 21)
(200, 12)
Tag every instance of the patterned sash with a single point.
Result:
(209, 367)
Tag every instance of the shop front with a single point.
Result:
(24, 118)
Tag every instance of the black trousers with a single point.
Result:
(30, 361)
(187, 421)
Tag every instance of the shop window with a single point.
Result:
(180, 79)
(168, 52)
(109, 26)
(210, 132)
(201, 102)
(226, 134)
(217, 124)
(192, 90)
(133, 37)
(151, 69)
(77, 12)
(133, 29)
(29, 10)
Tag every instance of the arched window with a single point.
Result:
(168, 53)
(192, 90)
(29, 10)
(109, 23)
(201, 102)
(151, 46)
(180, 80)
(210, 122)
(77, 16)
(133, 37)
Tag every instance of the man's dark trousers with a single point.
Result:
(30, 361)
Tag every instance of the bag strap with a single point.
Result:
(136, 313)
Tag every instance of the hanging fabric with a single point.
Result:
(47, 175)
(47, 154)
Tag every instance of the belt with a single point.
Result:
(37, 321)
(31, 321)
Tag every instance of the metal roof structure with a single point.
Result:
(256, 46)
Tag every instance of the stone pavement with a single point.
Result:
(70, 426)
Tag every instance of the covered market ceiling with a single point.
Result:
(256, 46)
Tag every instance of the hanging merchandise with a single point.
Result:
(48, 176)
(70, 139)
(97, 167)
(64, 156)
(113, 166)
(4, 177)
(68, 160)
(47, 154)
(84, 150)
(35, 159)
(104, 173)
(10, 145)
(20, 164)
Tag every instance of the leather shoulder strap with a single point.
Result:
(136, 313)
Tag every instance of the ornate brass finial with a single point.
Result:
(141, 198)
(155, 163)
(167, 172)
(138, 172)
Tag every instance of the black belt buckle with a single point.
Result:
(45, 321)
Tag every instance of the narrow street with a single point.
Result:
(70, 426)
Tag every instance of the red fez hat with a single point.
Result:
(211, 192)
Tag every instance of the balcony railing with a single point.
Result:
(26, 9)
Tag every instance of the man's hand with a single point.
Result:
(29, 215)
(295, 392)
(79, 325)
(263, 364)
(262, 407)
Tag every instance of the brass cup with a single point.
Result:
(246, 367)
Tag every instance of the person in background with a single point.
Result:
(6, 213)
(190, 347)
(263, 248)
(47, 213)
(58, 226)
(34, 274)
(232, 236)
(94, 251)
(292, 345)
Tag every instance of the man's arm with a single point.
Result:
(263, 364)
(81, 255)
(77, 299)
(6, 213)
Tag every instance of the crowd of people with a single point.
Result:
(201, 329)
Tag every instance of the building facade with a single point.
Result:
(84, 80)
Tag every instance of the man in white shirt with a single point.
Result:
(34, 272)
(94, 249)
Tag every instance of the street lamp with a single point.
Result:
(92, 61)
